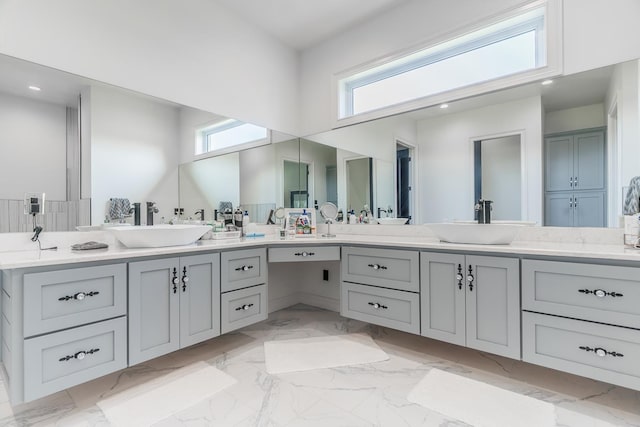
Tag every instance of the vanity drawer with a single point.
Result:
(310, 253)
(579, 347)
(55, 300)
(600, 293)
(394, 309)
(241, 269)
(389, 268)
(63, 359)
(243, 307)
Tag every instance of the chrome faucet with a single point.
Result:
(386, 212)
(201, 213)
(151, 209)
(135, 210)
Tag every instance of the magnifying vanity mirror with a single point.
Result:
(329, 212)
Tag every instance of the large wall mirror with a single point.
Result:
(428, 165)
(500, 146)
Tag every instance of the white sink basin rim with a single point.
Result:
(392, 221)
(474, 233)
(156, 236)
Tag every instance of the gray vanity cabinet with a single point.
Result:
(173, 303)
(471, 300)
(380, 286)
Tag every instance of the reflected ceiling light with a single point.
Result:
(547, 82)
(35, 88)
(444, 106)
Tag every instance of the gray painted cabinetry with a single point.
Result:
(244, 288)
(471, 300)
(575, 179)
(380, 286)
(62, 327)
(562, 301)
(173, 303)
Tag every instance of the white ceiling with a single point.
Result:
(303, 23)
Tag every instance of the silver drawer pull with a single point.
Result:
(600, 293)
(377, 266)
(304, 253)
(601, 352)
(78, 296)
(244, 268)
(79, 355)
(244, 307)
(378, 306)
(174, 280)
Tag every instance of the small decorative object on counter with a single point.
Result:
(632, 230)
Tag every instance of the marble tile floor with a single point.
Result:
(364, 395)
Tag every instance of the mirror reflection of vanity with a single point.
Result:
(144, 162)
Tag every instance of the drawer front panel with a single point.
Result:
(311, 253)
(388, 268)
(62, 359)
(66, 298)
(600, 293)
(603, 352)
(391, 308)
(243, 307)
(241, 269)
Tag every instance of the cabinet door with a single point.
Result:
(442, 297)
(559, 163)
(589, 209)
(153, 309)
(493, 305)
(588, 166)
(558, 209)
(199, 298)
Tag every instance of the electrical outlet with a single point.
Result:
(325, 275)
(178, 211)
(33, 203)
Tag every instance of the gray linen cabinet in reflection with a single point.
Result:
(173, 303)
(472, 301)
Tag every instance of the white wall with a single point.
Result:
(198, 54)
(205, 183)
(134, 152)
(259, 176)
(585, 117)
(445, 157)
(33, 138)
(599, 33)
(596, 33)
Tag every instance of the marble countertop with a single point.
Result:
(11, 259)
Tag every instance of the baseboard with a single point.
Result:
(283, 302)
(319, 301)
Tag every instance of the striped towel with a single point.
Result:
(119, 208)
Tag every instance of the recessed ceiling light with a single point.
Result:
(36, 88)
(547, 82)
(444, 105)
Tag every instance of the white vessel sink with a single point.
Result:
(155, 236)
(496, 233)
(392, 221)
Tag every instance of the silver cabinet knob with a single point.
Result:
(600, 352)
(80, 296)
(80, 355)
(600, 293)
